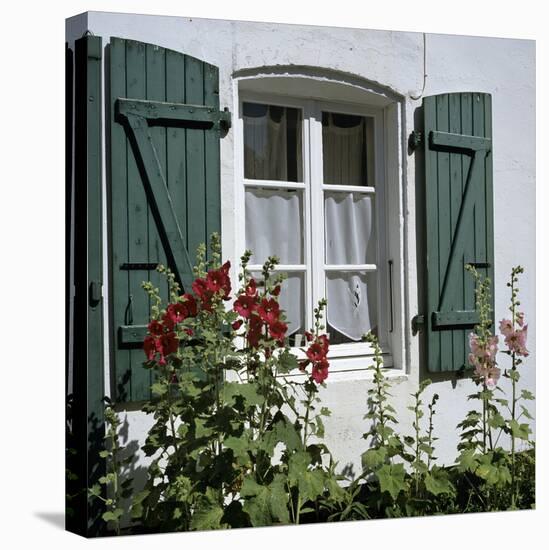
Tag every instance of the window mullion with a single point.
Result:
(317, 205)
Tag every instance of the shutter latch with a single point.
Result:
(418, 322)
(415, 140)
(95, 293)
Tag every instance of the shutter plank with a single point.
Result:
(211, 156)
(119, 236)
(196, 185)
(444, 224)
(456, 195)
(176, 143)
(156, 90)
(138, 246)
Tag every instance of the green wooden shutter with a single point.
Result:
(164, 186)
(84, 399)
(458, 220)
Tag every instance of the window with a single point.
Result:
(312, 175)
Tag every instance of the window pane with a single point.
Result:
(352, 305)
(274, 225)
(291, 300)
(349, 228)
(272, 142)
(348, 149)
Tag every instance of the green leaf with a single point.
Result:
(95, 490)
(207, 516)
(496, 421)
(265, 504)
(159, 388)
(239, 446)
(287, 362)
(373, 458)
(525, 394)
(104, 454)
(235, 393)
(113, 515)
(392, 479)
(437, 482)
(526, 412)
(522, 431)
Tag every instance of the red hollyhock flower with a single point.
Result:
(170, 343)
(244, 305)
(155, 328)
(149, 345)
(278, 330)
(178, 312)
(269, 310)
(320, 371)
(276, 290)
(237, 324)
(324, 342)
(201, 289)
(169, 321)
(316, 352)
(189, 331)
(190, 303)
(254, 332)
(302, 364)
(251, 288)
(308, 336)
(218, 281)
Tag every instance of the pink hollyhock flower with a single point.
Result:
(269, 310)
(516, 341)
(506, 327)
(245, 305)
(277, 330)
(474, 344)
(488, 374)
(491, 348)
(520, 319)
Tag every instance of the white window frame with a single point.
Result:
(355, 356)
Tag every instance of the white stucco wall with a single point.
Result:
(503, 67)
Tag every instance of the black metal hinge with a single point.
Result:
(415, 140)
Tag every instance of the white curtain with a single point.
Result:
(266, 144)
(346, 150)
(349, 228)
(351, 303)
(274, 225)
(350, 239)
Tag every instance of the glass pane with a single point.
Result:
(292, 302)
(350, 234)
(274, 225)
(272, 142)
(352, 305)
(348, 149)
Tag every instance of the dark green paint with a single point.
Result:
(164, 185)
(459, 220)
(85, 398)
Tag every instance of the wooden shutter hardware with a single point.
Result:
(138, 266)
(160, 110)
